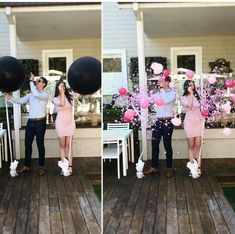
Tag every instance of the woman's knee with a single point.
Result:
(198, 147)
(191, 146)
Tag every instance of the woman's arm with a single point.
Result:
(190, 102)
(187, 103)
(60, 101)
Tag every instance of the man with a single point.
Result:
(163, 128)
(36, 124)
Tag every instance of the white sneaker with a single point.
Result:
(70, 170)
(63, 165)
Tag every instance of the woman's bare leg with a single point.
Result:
(191, 144)
(62, 147)
(198, 147)
(69, 152)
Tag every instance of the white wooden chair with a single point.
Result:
(112, 150)
(121, 126)
(118, 126)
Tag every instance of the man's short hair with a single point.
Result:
(44, 80)
(168, 79)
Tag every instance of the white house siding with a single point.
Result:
(213, 47)
(4, 36)
(119, 29)
(119, 32)
(80, 47)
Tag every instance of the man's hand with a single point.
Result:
(7, 96)
(31, 78)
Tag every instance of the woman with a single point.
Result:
(193, 122)
(64, 123)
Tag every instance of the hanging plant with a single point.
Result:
(220, 66)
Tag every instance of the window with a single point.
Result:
(112, 65)
(56, 62)
(186, 57)
(186, 61)
(114, 71)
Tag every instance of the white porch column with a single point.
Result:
(16, 107)
(142, 74)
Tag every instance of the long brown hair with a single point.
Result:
(186, 92)
(67, 92)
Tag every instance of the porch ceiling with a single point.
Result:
(58, 22)
(187, 19)
(188, 22)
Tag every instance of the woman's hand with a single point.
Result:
(61, 89)
(190, 90)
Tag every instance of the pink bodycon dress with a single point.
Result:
(64, 123)
(193, 122)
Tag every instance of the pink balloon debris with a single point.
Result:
(165, 73)
(227, 131)
(159, 101)
(157, 68)
(144, 103)
(204, 113)
(122, 91)
(214, 99)
(211, 79)
(176, 121)
(189, 74)
(233, 97)
(229, 83)
(129, 115)
(226, 107)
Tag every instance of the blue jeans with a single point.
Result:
(33, 128)
(162, 128)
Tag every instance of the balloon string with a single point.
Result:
(71, 138)
(136, 111)
(8, 131)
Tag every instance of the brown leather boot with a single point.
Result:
(151, 171)
(169, 172)
(41, 171)
(24, 169)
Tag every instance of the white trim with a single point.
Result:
(62, 8)
(16, 94)
(197, 51)
(137, 13)
(142, 79)
(162, 4)
(68, 53)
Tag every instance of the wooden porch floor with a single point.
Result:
(156, 204)
(52, 203)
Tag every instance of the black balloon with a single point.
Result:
(84, 75)
(12, 75)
